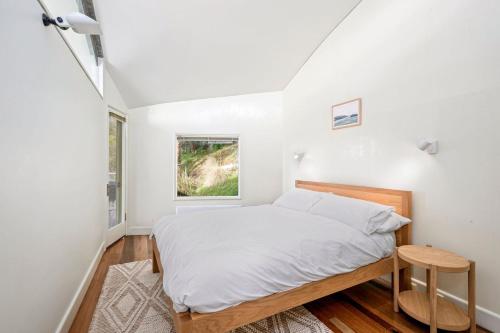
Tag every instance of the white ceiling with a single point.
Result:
(163, 50)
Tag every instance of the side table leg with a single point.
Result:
(428, 278)
(428, 281)
(395, 281)
(472, 296)
(433, 299)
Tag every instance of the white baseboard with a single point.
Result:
(137, 230)
(484, 317)
(74, 305)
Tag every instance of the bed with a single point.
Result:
(255, 280)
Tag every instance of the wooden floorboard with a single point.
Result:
(340, 315)
(365, 308)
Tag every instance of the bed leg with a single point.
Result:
(156, 268)
(183, 322)
(405, 279)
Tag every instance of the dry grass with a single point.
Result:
(203, 177)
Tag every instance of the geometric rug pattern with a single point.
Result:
(132, 301)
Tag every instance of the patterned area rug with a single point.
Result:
(132, 300)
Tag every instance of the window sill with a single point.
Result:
(176, 198)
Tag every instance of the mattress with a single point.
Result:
(216, 259)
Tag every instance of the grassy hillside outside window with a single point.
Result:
(207, 167)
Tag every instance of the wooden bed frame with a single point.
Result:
(251, 311)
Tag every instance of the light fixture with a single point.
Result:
(298, 156)
(428, 145)
(80, 23)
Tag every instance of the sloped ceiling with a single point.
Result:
(163, 50)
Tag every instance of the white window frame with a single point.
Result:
(197, 198)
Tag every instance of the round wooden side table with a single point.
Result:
(428, 307)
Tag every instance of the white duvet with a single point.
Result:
(216, 259)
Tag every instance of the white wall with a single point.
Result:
(112, 95)
(423, 68)
(52, 172)
(256, 118)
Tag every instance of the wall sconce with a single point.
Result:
(298, 156)
(428, 145)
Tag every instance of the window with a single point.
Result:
(86, 49)
(207, 166)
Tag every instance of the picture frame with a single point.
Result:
(347, 114)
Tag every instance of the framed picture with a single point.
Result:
(346, 114)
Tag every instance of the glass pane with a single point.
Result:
(207, 167)
(115, 172)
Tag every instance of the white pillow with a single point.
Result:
(392, 223)
(366, 216)
(298, 199)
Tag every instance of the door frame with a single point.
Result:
(119, 230)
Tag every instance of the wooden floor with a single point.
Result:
(365, 308)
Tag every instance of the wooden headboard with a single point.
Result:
(400, 200)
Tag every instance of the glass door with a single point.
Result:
(116, 212)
